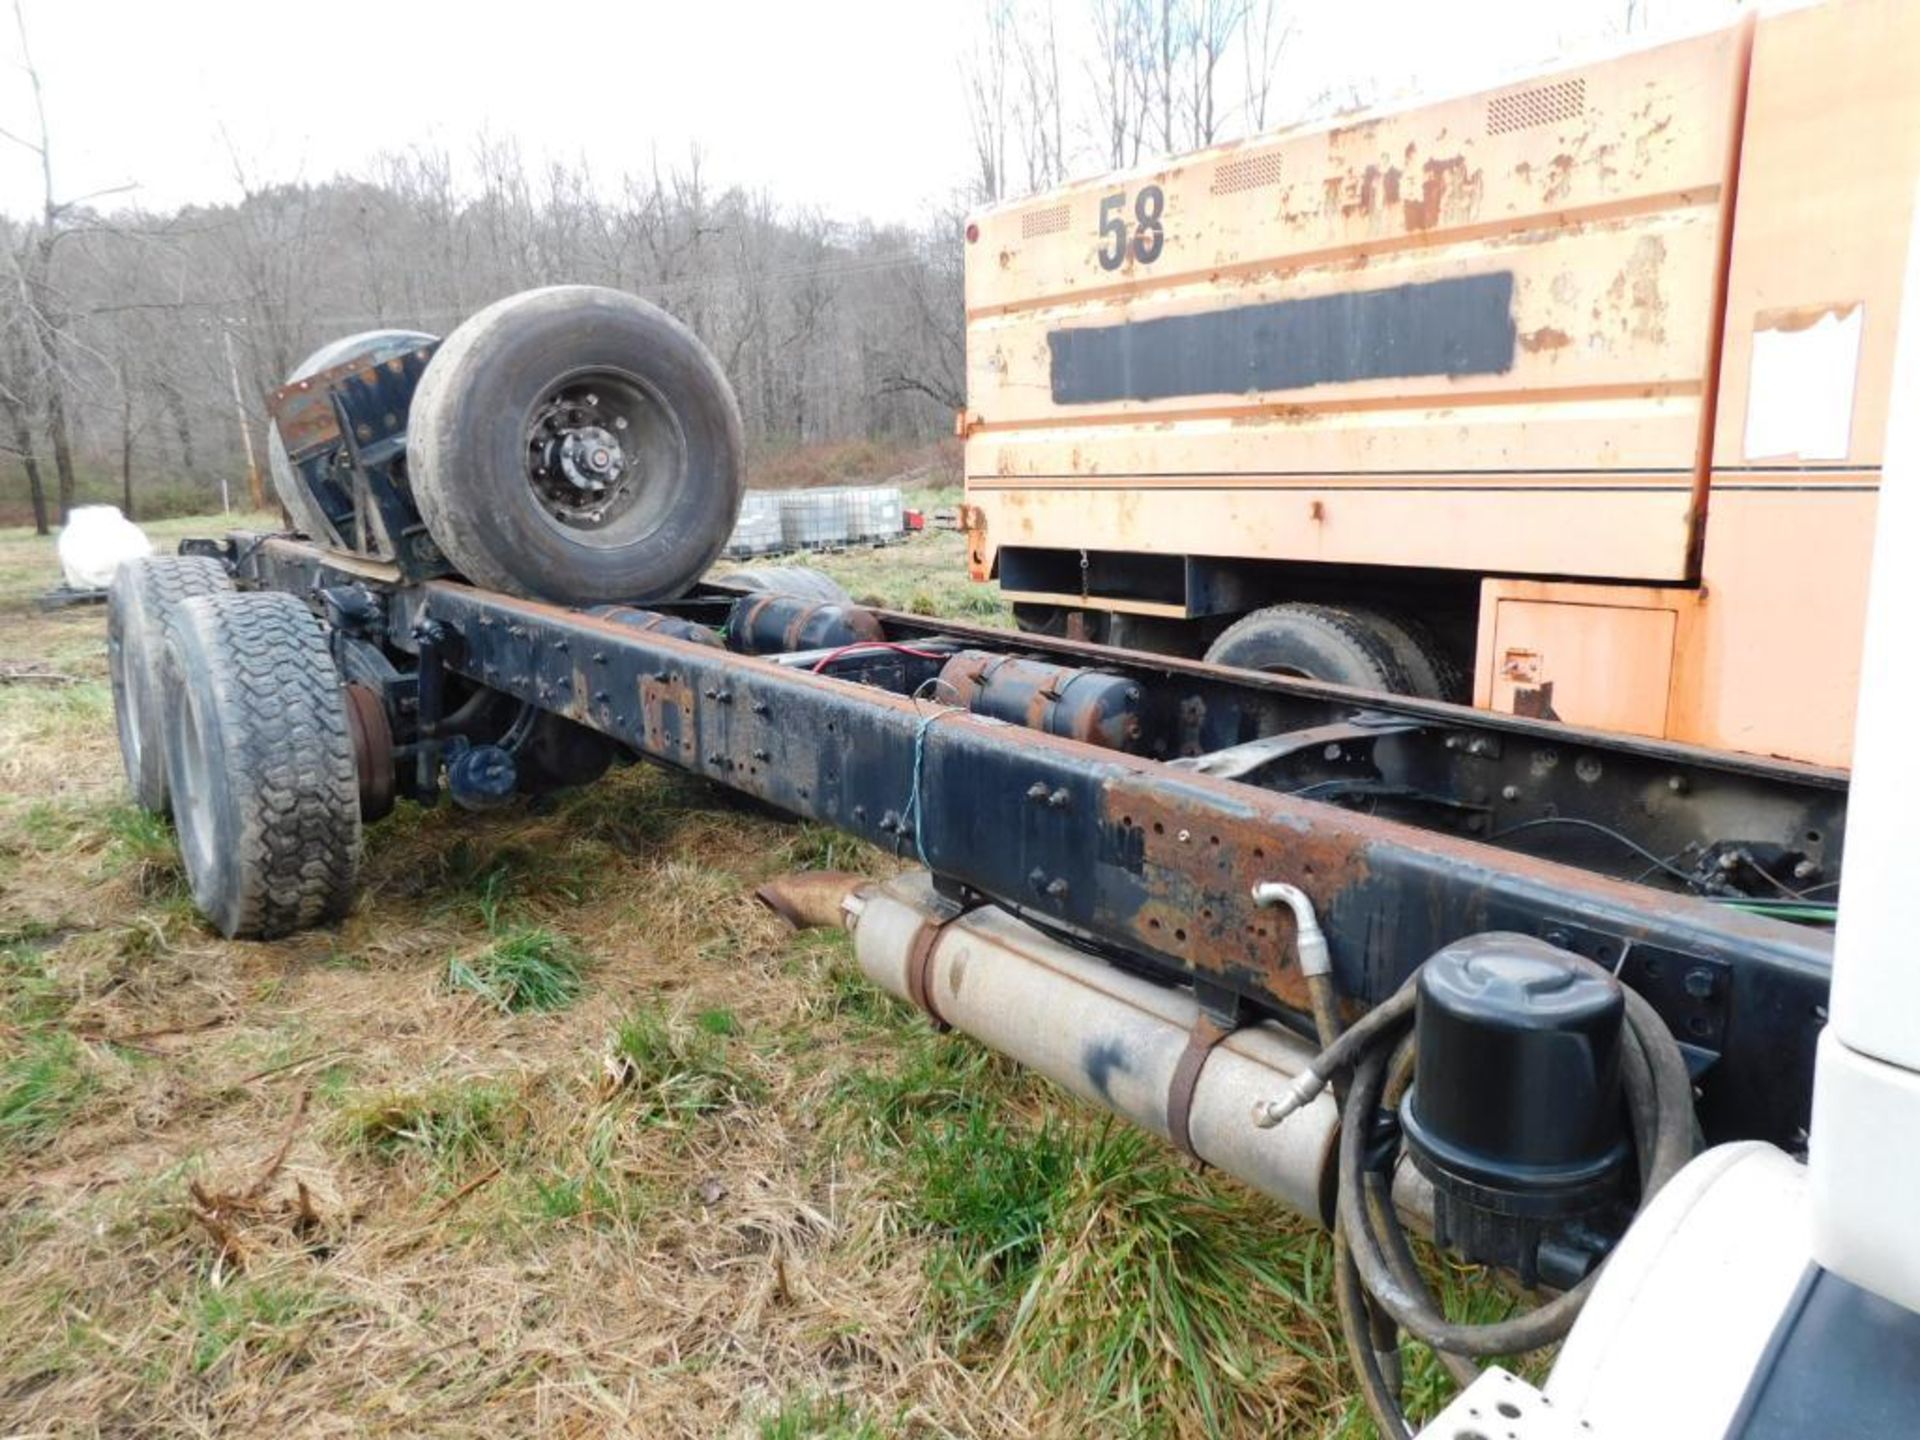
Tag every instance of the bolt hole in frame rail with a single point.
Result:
(1130, 803)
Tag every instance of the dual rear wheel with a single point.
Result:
(573, 443)
(232, 716)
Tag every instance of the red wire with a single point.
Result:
(833, 655)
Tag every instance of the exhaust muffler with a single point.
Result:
(1116, 1040)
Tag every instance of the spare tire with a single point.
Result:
(578, 445)
(376, 347)
(801, 580)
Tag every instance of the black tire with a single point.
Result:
(1319, 642)
(138, 600)
(1430, 669)
(260, 763)
(501, 425)
(375, 347)
(801, 580)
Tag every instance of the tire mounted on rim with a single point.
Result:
(143, 591)
(260, 764)
(579, 445)
(1365, 649)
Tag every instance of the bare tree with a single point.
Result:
(1213, 26)
(983, 74)
(32, 258)
(1110, 79)
(1266, 28)
(17, 372)
(928, 357)
(1042, 106)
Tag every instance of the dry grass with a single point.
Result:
(560, 1132)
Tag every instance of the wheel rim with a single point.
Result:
(604, 454)
(192, 791)
(129, 705)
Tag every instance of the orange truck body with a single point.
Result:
(1605, 356)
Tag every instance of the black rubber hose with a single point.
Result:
(1380, 1392)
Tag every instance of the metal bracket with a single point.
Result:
(1237, 762)
(1207, 1032)
(942, 911)
(345, 430)
(1500, 1403)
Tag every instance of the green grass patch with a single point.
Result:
(829, 982)
(817, 847)
(1161, 1303)
(450, 1125)
(42, 1087)
(928, 1078)
(527, 968)
(30, 993)
(559, 1198)
(592, 1196)
(1143, 1299)
(989, 1192)
(140, 837)
(485, 875)
(813, 1417)
(250, 1318)
(677, 1071)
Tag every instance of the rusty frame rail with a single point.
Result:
(1144, 859)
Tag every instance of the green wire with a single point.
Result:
(1785, 910)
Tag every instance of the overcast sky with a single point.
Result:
(851, 105)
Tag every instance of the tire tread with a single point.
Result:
(144, 592)
(260, 663)
(1346, 629)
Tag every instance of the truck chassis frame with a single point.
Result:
(1144, 844)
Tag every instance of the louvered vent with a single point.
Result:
(1542, 105)
(1249, 172)
(1050, 221)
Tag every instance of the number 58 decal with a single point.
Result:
(1147, 238)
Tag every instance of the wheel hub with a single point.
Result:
(577, 462)
(590, 458)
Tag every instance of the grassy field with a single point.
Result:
(561, 1132)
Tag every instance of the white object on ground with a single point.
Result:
(93, 542)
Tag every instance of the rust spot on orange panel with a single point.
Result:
(1636, 291)
(1802, 317)
(1545, 338)
(1559, 179)
(1448, 191)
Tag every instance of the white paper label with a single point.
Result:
(1800, 385)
